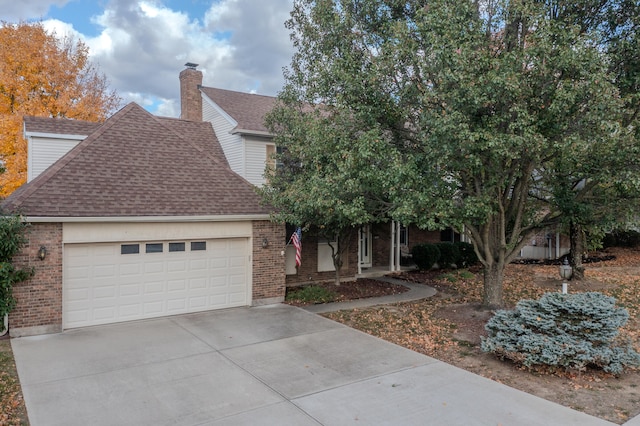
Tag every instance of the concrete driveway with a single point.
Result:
(272, 365)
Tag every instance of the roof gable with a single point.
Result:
(248, 110)
(137, 164)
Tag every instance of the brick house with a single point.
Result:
(238, 121)
(140, 217)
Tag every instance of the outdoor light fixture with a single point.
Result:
(265, 242)
(42, 253)
(565, 273)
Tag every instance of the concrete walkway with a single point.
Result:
(270, 365)
(416, 292)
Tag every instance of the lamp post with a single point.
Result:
(565, 273)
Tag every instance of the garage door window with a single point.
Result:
(198, 245)
(154, 248)
(176, 247)
(130, 249)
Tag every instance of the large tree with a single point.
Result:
(474, 102)
(321, 183)
(43, 75)
(596, 187)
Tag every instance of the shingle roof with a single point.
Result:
(59, 126)
(247, 109)
(137, 164)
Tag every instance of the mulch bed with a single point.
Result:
(352, 290)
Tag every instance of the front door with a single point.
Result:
(365, 246)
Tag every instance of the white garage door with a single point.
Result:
(114, 282)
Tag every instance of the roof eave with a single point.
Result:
(28, 134)
(248, 132)
(149, 219)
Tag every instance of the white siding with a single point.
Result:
(231, 144)
(256, 160)
(43, 152)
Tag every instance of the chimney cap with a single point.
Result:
(191, 65)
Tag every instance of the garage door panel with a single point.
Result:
(156, 287)
(153, 267)
(131, 269)
(177, 266)
(153, 308)
(103, 292)
(102, 285)
(104, 313)
(82, 272)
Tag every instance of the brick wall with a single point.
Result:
(381, 241)
(190, 97)
(39, 300)
(268, 263)
(308, 270)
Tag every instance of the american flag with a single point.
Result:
(296, 238)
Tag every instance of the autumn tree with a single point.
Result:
(43, 75)
(470, 102)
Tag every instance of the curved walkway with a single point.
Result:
(416, 292)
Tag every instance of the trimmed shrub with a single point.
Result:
(425, 255)
(570, 331)
(449, 255)
(467, 255)
(621, 238)
(311, 294)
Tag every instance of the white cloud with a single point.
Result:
(142, 45)
(19, 10)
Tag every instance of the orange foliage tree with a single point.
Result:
(47, 76)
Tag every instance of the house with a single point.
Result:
(238, 120)
(140, 217)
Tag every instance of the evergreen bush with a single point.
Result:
(12, 238)
(570, 331)
(425, 255)
(467, 255)
(449, 254)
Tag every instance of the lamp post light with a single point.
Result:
(565, 273)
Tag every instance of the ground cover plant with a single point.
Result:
(450, 325)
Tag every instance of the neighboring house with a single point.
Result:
(141, 218)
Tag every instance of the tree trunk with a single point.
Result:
(493, 280)
(576, 237)
(337, 276)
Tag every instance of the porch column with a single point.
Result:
(393, 237)
(557, 245)
(398, 246)
(359, 250)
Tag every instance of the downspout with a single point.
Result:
(557, 245)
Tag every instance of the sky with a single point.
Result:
(142, 45)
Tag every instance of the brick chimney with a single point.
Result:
(190, 97)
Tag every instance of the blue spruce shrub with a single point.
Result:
(570, 331)
(425, 255)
